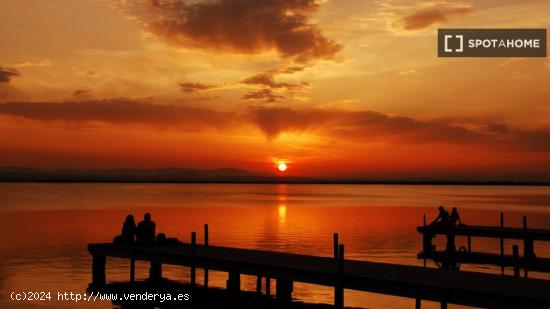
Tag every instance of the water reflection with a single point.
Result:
(44, 228)
(282, 214)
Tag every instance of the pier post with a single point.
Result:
(267, 287)
(132, 270)
(443, 305)
(205, 246)
(528, 248)
(283, 290)
(193, 253)
(259, 285)
(502, 244)
(335, 244)
(427, 247)
(155, 271)
(98, 269)
(425, 241)
(418, 303)
(339, 287)
(516, 260)
(234, 283)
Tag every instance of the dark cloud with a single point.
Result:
(265, 94)
(369, 126)
(241, 26)
(122, 112)
(267, 84)
(81, 93)
(267, 79)
(359, 126)
(425, 18)
(7, 74)
(195, 87)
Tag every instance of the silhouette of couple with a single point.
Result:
(446, 220)
(143, 233)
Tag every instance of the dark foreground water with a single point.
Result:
(44, 228)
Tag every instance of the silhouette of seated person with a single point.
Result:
(167, 241)
(455, 218)
(442, 219)
(128, 235)
(146, 231)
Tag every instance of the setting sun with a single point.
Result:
(282, 167)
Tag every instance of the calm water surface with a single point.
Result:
(44, 228)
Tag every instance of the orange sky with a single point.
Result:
(335, 88)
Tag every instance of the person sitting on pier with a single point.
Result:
(167, 241)
(128, 235)
(146, 230)
(455, 218)
(442, 219)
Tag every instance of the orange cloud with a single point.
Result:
(195, 87)
(241, 26)
(425, 18)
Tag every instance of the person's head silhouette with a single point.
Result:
(441, 208)
(130, 219)
(454, 210)
(147, 216)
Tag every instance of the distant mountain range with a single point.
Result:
(17, 174)
(222, 175)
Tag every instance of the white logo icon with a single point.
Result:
(460, 37)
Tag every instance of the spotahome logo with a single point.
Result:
(491, 42)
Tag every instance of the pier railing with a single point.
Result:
(451, 256)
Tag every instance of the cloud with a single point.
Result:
(422, 19)
(7, 74)
(265, 94)
(372, 126)
(267, 84)
(121, 111)
(24, 64)
(267, 79)
(81, 93)
(239, 26)
(406, 72)
(195, 87)
(357, 126)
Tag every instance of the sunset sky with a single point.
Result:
(332, 88)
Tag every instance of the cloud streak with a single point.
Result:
(268, 85)
(195, 87)
(240, 26)
(122, 112)
(7, 74)
(425, 18)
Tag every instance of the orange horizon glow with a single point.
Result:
(338, 99)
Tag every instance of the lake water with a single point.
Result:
(44, 228)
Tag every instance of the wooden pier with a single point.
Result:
(450, 255)
(418, 283)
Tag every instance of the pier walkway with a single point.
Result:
(440, 285)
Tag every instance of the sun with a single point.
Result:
(282, 167)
